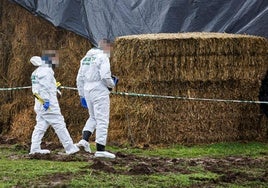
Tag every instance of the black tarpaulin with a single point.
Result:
(97, 19)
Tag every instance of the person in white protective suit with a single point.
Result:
(47, 108)
(94, 83)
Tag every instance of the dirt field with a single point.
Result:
(226, 167)
(231, 170)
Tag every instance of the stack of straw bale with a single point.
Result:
(24, 35)
(197, 65)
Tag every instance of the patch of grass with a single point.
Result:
(155, 180)
(252, 149)
(18, 170)
(22, 172)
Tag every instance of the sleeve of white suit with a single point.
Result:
(80, 82)
(105, 72)
(44, 78)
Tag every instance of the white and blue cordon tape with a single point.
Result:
(154, 96)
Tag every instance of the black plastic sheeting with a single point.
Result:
(97, 19)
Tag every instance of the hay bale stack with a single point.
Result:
(23, 36)
(198, 65)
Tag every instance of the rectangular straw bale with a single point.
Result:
(182, 122)
(161, 121)
(197, 65)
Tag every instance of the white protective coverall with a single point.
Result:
(93, 81)
(44, 84)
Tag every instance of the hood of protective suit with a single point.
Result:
(36, 61)
(94, 51)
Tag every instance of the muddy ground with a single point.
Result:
(232, 169)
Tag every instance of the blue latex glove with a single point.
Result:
(83, 102)
(46, 105)
(115, 79)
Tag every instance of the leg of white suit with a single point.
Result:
(91, 121)
(102, 110)
(56, 120)
(38, 133)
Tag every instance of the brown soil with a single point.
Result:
(230, 169)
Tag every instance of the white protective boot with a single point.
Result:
(36, 142)
(72, 150)
(85, 145)
(66, 140)
(40, 151)
(104, 154)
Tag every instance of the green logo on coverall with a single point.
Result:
(88, 60)
(33, 78)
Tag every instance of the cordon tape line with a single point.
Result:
(15, 88)
(156, 96)
(189, 98)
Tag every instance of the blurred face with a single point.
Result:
(51, 58)
(105, 46)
